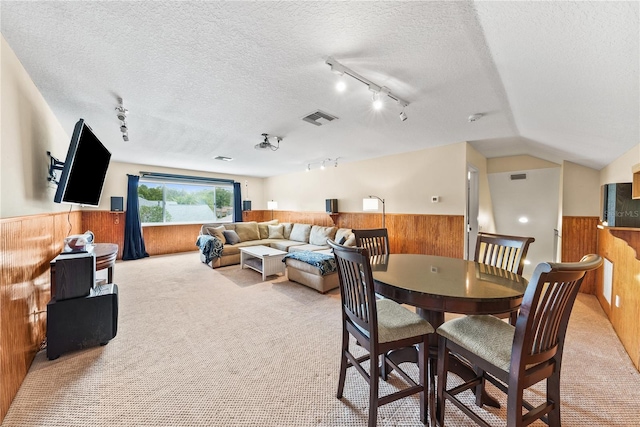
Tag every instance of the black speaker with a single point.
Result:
(331, 205)
(116, 204)
(78, 323)
(246, 205)
(75, 275)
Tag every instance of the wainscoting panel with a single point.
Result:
(625, 289)
(28, 246)
(107, 227)
(169, 239)
(579, 238)
(412, 234)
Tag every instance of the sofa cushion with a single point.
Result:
(231, 237)
(284, 245)
(217, 232)
(276, 231)
(351, 241)
(263, 228)
(248, 231)
(309, 248)
(287, 229)
(319, 235)
(343, 232)
(300, 232)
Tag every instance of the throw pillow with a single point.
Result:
(263, 228)
(300, 233)
(343, 232)
(217, 232)
(231, 237)
(319, 235)
(351, 241)
(287, 229)
(248, 231)
(276, 231)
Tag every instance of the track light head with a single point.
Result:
(403, 116)
(475, 117)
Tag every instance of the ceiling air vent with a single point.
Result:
(223, 158)
(518, 176)
(319, 118)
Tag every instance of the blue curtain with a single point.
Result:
(133, 241)
(237, 203)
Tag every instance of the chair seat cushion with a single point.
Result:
(396, 322)
(486, 336)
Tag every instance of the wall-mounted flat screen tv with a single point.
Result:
(85, 168)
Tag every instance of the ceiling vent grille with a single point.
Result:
(516, 176)
(223, 158)
(319, 118)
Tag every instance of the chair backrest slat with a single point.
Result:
(356, 286)
(545, 310)
(375, 240)
(503, 251)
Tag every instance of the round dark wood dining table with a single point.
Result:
(436, 285)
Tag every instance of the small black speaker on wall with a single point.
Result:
(331, 205)
(116, 204)
(246, 205)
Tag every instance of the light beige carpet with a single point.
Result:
(203, 347)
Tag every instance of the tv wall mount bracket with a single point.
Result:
(54, 165)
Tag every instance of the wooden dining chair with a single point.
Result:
(514, 358)
(505, 252)
(375, 240)
(379, 326)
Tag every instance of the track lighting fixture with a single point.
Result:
(121, 114)
(378, 91)
(323, 163)
(266, 144)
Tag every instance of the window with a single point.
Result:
(177, 199)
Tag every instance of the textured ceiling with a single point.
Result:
(556, 80)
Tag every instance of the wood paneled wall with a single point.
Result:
(626, 285)
(28, 246)
(408, 233)
(579, 238)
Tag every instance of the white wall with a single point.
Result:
(28, 130)
(620, 169)
(486, 220)
(535, 198)
(581, 190)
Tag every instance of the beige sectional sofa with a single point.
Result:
(288, 237)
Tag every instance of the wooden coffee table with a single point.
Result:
(262, 259)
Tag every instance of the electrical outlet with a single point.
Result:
(618, 301)
(435, 199)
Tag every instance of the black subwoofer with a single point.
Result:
(78, 323)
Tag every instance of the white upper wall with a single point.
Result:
(620, 169)
(406, 182)
(580, 190)
(29, 130)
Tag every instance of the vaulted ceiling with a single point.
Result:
(556, 80)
